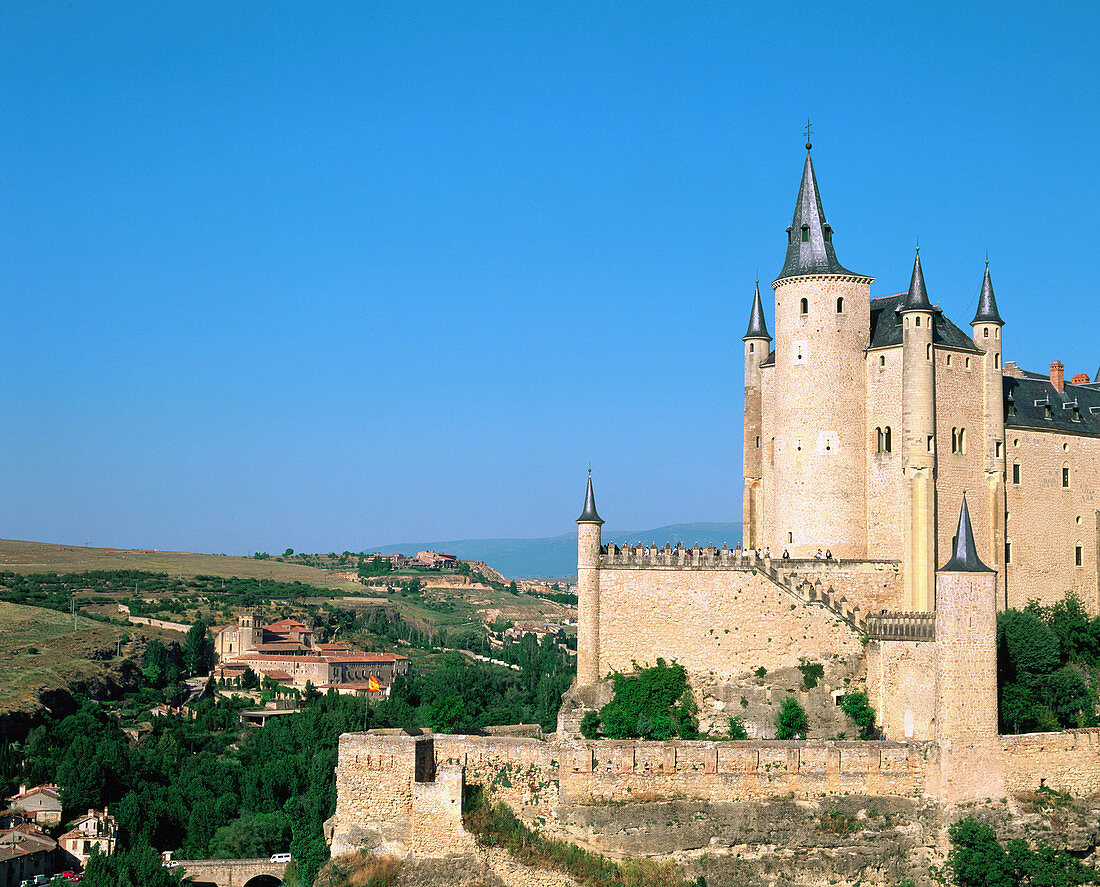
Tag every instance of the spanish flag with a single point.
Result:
(372, 684)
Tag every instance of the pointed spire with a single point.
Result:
(589, 515)
(758, 326)
(917, 299)
(964, 556)
(810, 239)
(987, 305)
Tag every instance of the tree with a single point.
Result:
(791, 722)
(252, 837)
(590, 725)
(288, 553)
(654, 704)
(447, 714)
(197, 649)
(855, 706)
(140, 866)
(249, 679)
(737, 729)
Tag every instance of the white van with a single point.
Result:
(280, 857)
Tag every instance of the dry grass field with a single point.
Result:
(43, 557)
(40, 651)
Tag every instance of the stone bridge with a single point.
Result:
(233, 872)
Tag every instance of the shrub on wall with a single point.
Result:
(790, 722)
(656, 703)
(590, 725)
(855, 706)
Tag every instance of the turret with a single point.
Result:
(248, 624)
(966, 641)
(816, 403)
(986, 329)
(918, 402)
(588, 590)
(757, 342)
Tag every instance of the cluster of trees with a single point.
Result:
(1044, 657)
(978, 859)
(655, 703)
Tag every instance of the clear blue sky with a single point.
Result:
(324, 275)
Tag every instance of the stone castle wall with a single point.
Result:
(901, 687)
(1046, 521)
(1067, 761)
(712, 621)
(886, 491)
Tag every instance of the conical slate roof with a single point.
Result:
(758, 326)
(987, 305)
(812, 254)
(964, 557)
(917, 298)
(589, 515)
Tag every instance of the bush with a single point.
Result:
(654, 704)
(791, 722)
(590, 725)
(737, 729)
(977, 859)
(855, 706)
(812, 672)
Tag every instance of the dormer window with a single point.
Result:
(1076, 414)
(828, 233)
(790, 234)
(1047, 413)
(805, 233)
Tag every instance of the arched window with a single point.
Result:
(996, 361)
(985, 332)
(916, 322)
(805, 233)
(929, 350)
(968, 363)
(804, 306)
(949, 360)
(1078, 555)
(840, 305)
(1065, 475)
(1008, 551)
(889, 440)
(752, 347)
(962, 440)
(880, 439)
(954, 440)
(1016, 473)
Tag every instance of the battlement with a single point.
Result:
(901, 626)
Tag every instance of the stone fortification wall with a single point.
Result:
(901, 687)
(1046, 521)
(723, 622)
(600, 772)
(873, 586)
(886, 490)
(1067, 762)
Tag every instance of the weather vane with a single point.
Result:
(809, 132)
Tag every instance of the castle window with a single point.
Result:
(881, 441)
(804, 307)
(1076, 414)
(1047, 413)
(955, 445)
(1008, 551)
(790, 235)
(996, 332)
(1065, 475)
(996, 361)
(1016, 473)
(998, 449)
(931, 442)
(828, 233)
(790, 538)
(1078, 555)
(929, 350)
(882, 360)
(985, 332)
(840, 305)
(916, 322)
(968, 363)
(1010, 409)
(758, 441)
(949, 360)
(752, 347)
(889, 441)
(805, 233)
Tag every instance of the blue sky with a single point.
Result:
(341, 274)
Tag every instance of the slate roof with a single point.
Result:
(987, 304)
(589, 515)
(886, 328)
(1023, 393)
(815, 255)
(758, 326)
(917, 297)
(769, 361)
(964, 554)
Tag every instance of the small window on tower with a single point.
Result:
(968, 363)
(949, 360)
(931, 443)
(828, 233)
(752, 347)
(880, 439)
(917, 322)
(889, 440)
(840, 305)
(998, 448)
(804, 306)
(996, 361)
(1078, 555)
(805, 233)
(790, 538)
(758, 441)
(882, 360)
(1065, 476)
(1008, 551)
(985, 332)
(929, 349)
(1016, 473)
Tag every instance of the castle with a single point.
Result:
(867, 421)
(946, 485)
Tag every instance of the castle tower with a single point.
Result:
(757, 342)
(918, 419)
(248, 624)
(816, 402)
(966, 642)
(986, 327)
(588, 590)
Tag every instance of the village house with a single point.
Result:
(90, 831)
(25, 851)
(41, 803)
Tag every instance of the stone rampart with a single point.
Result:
(1067, 762)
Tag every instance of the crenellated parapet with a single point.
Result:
(918, 626)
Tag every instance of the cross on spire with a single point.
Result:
(809, 131)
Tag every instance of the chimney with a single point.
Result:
(1058, 376)
(1081, 379)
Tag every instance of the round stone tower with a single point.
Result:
(918, 421)
(757, 344)
(986, 328)
(588, 590)
(817, 397)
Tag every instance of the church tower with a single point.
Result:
(918, 419)
(986, 327)
(588, 590)
(757, 342)
(816, 402)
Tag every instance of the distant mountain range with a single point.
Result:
(557, 555)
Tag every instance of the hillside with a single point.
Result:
(557, 555)
(43, 557)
